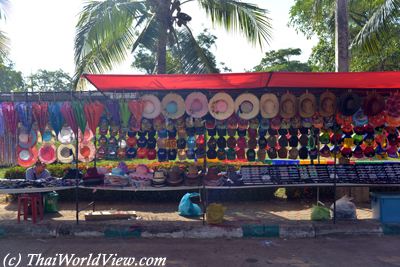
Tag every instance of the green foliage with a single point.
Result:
(10, 79)
(373, 26)
(107, 29)
(49, 81)
(281, 60)
(177, 62)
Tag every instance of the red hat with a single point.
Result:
(142, 153)
(241, 153)
(242, 143)
(151, 154)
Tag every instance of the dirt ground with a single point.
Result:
(271, 211)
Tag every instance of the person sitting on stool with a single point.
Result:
(37, 172)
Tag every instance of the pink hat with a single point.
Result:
(196, 105)
(47, 153)
(86, 151)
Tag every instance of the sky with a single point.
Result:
(42, 36)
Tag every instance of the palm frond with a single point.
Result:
(104, 33)
(238, 16)
(193, 58)
(4, 5)
(148, 36)
(377, 27)
(4, 45)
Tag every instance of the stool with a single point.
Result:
(36, 203)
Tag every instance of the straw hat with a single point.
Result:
(173, 106)
(327, 104)
(196, 105)
(221, 106)
(152, 106)
(288, 106)
(307, 105)
(269, 106)
(27, 157)
(247, 106)
(86, 152)
(66, 135)
(65, 153)
(47, 153)
(27, 140)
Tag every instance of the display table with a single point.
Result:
(30, 190)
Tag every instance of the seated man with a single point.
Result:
(37, 172)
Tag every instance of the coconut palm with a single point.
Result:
(3, 38)
(108, 29)
(374, 27)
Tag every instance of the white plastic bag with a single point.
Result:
(345, 209)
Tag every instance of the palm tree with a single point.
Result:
(3, 38)
(374, 28)
(108, 29)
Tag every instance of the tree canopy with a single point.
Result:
(282, 60)
(49, 81)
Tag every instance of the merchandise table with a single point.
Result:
(30, 190)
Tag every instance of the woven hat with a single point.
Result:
(66, 135)
(196, 105)
(327, 104)
(373, 104)
(269, 106)
(349, 103)
(47, 153)
(221, 106)
(173, 106)
(307, 105)
(86, 152)
(247, 106)
(288, 106)
(175, 176)
(27, 140)
(65, 153)
(151, 106)
(26, 157)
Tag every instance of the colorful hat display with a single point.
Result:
(86, 151)
(65, 153)
(196, 105)
(288, 106)
(221, 106)
(247, 106)
(269, 106)
(47, 153)
(307, 105)
(173, 106)
(26, 157)
(151, 106)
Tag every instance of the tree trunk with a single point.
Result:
(342, 36)
(163, 17)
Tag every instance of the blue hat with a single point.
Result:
(191, 143)
(190, 154)
(172, 153)
(162, 154)
(142, 142)
(131, 153)
(190, 131)
(163, 133)
(151, 142)
(172, 133)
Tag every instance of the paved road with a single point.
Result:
(372, 251)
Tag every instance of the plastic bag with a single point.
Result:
(215, 213)
(187, 207)
(320, 213)
(345, 209)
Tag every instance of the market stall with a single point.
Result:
(213, 131)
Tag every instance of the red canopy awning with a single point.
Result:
(178, 82)
(351, 80)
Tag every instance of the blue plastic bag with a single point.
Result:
(187, 207)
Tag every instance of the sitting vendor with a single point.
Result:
(37, 172)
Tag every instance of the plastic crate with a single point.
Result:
(386, 207)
